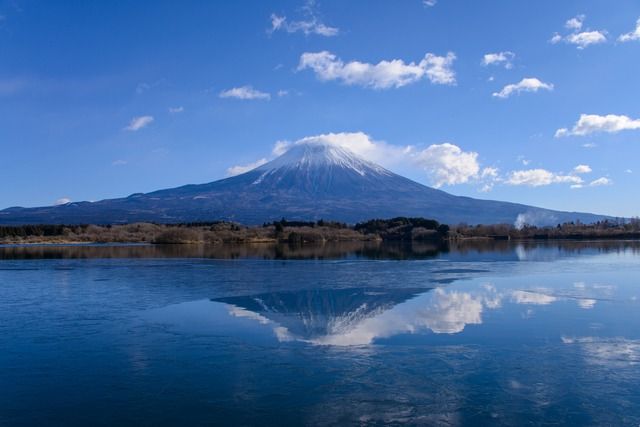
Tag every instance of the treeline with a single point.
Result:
(40, 230)
(280, 225)
(607, 229)
(300, 232)
(402, 228)
(297, 232)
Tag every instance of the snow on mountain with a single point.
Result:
(321, 155)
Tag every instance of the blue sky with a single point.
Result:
(105, 99)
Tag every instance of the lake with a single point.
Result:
(504, 333)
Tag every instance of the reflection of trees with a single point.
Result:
(329, 250)
(562, 246)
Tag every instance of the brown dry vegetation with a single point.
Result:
(178, 234)
(396, 229)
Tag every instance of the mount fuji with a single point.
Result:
(310, 181)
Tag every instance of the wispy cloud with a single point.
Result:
(632, 35)
(582, 169)
(581, 39)
(592, 123)
(529, 84)
(383, 75)
(499, 58)
(429, 3)
(575, 23)
(175, 110)
(138, 123)
(602, 181)
(145, 86)
(540, 177)
(311, 24)
(240, 169)
(244, 92)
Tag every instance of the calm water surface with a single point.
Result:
(509, 334)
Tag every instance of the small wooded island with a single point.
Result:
(300, 232)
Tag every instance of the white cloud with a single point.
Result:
(580, 169)
(500, 58)
(62, 201)
(383, 75)
(586, 38)
(629, 171)
(529, 84)
(593, 123)
(240, 169)
(282, 93)
(361, 144)
(448, 164)
(119, 162)
(244, 92)
(174, 110)
(429, 3)
(278, 22)
(575, 23)
(540, 177)
(580, 39)
(310, 24)
(603, 181)
(308, 27)
(555, 39)
(280, 147)
(600, 182)
(631, 36)
(138, 123)
(488, 178)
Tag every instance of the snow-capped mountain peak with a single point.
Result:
(312, 155)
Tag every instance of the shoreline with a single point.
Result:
(316, 242)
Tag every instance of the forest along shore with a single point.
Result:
(300, 232)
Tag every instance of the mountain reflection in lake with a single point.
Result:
(474, 334)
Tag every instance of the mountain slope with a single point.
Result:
(310, 181)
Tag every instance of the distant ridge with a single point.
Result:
(310, 181)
